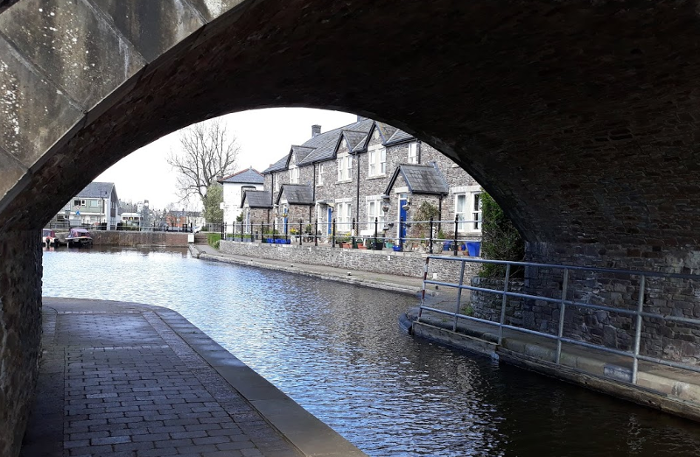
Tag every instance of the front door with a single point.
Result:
(402, 217)
(330, 220)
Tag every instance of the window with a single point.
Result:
(343, 217)
(345, 168)
(319, 179)
(377, 162)
(461, 211)
(476, 210)
(374, 210)
(93, 203)
(294, 175)
(78, 202)
(468, 211)
(413, 152)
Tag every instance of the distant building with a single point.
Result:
(235, 186)
(369, 170)
(94, 205)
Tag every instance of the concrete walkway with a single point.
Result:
(123, 379)
(395, 283)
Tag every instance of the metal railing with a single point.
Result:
(636, 308)
(372, 234)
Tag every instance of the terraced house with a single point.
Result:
(362, 172)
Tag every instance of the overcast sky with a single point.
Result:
(264, 136)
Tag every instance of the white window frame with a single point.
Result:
(413, 152)
(376, 162)
(294, 175)
(476, 211)
(319, 181)
(343, 215)
(345, 168)
(470, 218)
(374, 209)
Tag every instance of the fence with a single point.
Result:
(408, 235)
(649, 303)
(156, 227)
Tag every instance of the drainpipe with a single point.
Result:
(313, 191)
(357, 210)
(440, 213)
(419, 151)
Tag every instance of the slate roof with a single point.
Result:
(280, 165)
(248, 176)
(326, 143)
(296, 194)
(353, 138)
(420, 179)
(399, 136)
(323, 146)
(257, 198)
(97, 190)
(302, 152)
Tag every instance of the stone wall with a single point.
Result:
(127, 238)
(385, 261)
(486, 305)
(666, 296)
(20, 332)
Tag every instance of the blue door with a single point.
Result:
(329, 220)
(402, 217)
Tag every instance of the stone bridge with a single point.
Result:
(580, 117)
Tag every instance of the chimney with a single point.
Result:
(360, 118)
(315, 130)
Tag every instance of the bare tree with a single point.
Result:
(207, 152)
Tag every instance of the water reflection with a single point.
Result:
(337, 350)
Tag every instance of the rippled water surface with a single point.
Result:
(337, 350)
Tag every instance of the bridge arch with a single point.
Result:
(579, 117)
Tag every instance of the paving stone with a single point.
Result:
(133, 387)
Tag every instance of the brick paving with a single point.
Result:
(118, 380)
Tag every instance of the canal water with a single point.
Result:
(337, 350)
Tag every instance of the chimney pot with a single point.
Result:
(315, 130)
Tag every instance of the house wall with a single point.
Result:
(232, 200)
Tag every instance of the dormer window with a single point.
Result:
(294, 175)
(413, 152)
(377, 162)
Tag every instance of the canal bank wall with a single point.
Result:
(139, 239)
(661, 387)
(408, 264)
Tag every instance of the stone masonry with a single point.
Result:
(580, 118)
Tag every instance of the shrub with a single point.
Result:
(213, 239)
(500, 240)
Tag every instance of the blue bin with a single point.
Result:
(474, 248)
(397, 248)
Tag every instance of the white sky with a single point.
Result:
(264, 136)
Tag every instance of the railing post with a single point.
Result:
(430, 243)
(234, 230)
(454, 243)
(316, 233)
(274, 230)
(504, 304)
(422, 297)
(401, 234)
(376, 222)
(562, 310)
(353, 232)
(286, 231)
(333, 235)
(638, 329)
(459, 295)
(301, 233)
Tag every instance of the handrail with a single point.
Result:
(638, 312)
